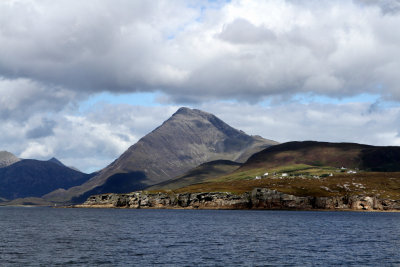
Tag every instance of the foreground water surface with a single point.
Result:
(121, 237)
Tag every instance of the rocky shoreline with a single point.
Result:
(259, 198)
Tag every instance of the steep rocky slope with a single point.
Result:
(7, 159)
(189, 138)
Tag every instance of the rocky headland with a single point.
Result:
(259, 198)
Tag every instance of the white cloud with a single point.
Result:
(246, 50)
(351, 122)
(21, 98)
(36, 150)
(55, 54)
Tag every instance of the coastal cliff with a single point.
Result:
(259, 198)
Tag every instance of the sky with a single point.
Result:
(84, 80)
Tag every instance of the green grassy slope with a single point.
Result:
(199, 174)
(385, 185)
(314, 169)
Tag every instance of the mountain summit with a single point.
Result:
(7, 159)
(187, 139)
(190, 137)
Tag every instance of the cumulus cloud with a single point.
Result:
(55, 54)
(37, 150)
(351, 122)
(241, 31)
(387, 6)
(92, 46)
(44, 129)
(190, 52)
(21, 98)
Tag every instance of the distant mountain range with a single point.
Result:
(191, 147)
(35, 178)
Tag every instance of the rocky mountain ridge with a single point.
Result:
(7, 159)
(187, 139)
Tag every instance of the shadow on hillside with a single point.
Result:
(117, 183)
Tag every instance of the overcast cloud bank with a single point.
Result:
(56, 54)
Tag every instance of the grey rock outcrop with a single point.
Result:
(259, 198)
(7, 159)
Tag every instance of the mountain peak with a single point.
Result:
(187, 139)
(183, 110)
(7, 159)
(56, 161)
(188, 112)
(200, 121)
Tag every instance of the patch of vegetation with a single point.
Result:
(294, 170)
(29, 201)
(382, 185)
(303, 180)
(240, 175)
(200, 174)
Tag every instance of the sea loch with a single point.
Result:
(123, 237)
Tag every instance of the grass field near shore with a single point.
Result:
(305, 180)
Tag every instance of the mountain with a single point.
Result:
(7, 159)
(35, 178)
(199, 174)
(349, 155)
(187, 139)
(56, 161)
(313, 169)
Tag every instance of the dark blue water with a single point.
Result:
(111, 237)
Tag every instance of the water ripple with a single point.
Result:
(108, 237)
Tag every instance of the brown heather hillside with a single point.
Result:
(311, 169)
(349, 155)
(381, 185)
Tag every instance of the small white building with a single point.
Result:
(258, 178)
(284, 174)
(265, 174)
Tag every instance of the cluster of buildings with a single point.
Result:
(284, 174)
